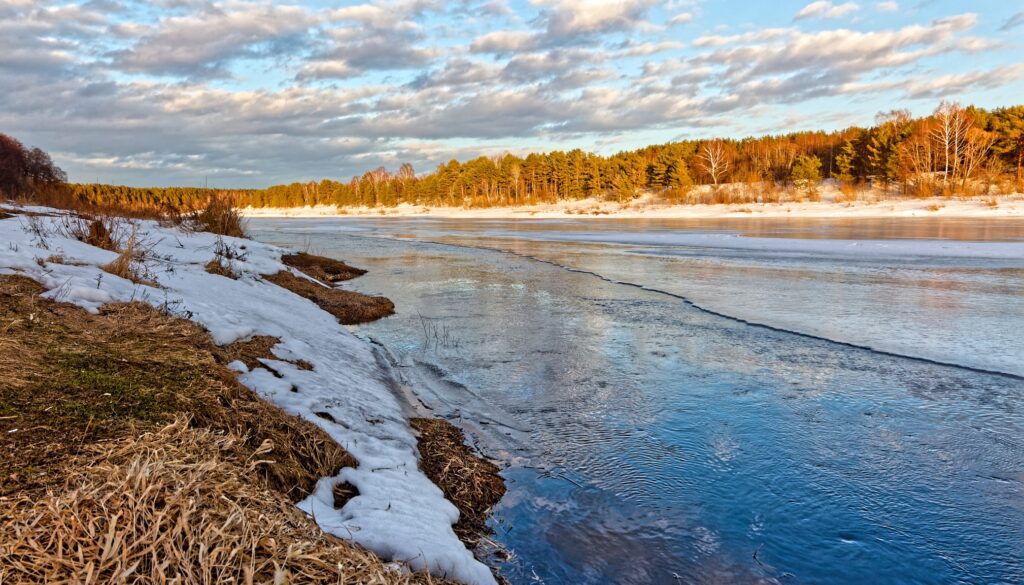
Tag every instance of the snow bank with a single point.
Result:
(399, 513)
(876, 205)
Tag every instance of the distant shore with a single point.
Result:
(997, 207)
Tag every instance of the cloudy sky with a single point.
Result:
(251, 93)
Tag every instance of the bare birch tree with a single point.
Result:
(950, 135)
(977, 144)
(714, 161)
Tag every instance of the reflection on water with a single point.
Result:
(964, 229)
(650, 442)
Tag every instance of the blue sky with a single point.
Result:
(251, 93)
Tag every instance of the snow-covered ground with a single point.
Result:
(399, 513)
(872, 205)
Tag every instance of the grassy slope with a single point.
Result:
(136, 410)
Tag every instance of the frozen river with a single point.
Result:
(719, 402)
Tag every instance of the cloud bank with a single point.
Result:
(247, 93)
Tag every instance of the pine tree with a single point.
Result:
(1008, 124)
(678, 174)
(806, 172)
(845, 163)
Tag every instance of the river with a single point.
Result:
(718, 402)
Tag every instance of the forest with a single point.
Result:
(956, 150)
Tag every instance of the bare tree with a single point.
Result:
(976, 146)
(918, 155)
(714, 160)
(406, 172)
(950, 135)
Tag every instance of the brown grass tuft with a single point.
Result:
(349, 307)
(467, 480)
(99, 235)
(221, 268)
(326, 270)
(125, 265)
(219, 217)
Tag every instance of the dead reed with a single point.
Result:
(469, 481)
(350, 308)
(326, 270)
(175, 506)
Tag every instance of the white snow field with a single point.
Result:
(399, 514)
(874, 204)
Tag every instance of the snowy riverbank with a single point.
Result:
(398, 513)
(1007, 206)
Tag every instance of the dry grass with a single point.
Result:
(72, 378)
(467, 480)
(326, 270)
(349, 307)
(934, 207)
(992, 202)
(99, 235)
(221, 268)
(127, 264)
(106, 232)
(129, 454)
(174, 506)
(251, 351)
(848, 193)
(223, 254)
(219, 217)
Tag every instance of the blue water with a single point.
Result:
(648, 440)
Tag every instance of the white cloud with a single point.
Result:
(202, 43)
(392, 80)
(825, 9)
(503, 42)
(681, 18)
(383, 38)
(767, 34)
(887, 6)
(954, 84)
(568, 19)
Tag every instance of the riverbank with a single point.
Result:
(832, 205)
(202, 401)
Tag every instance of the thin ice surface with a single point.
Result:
(399, 513)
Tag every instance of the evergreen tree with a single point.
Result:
(806, 173)
(846, 163)
(1008, 125)
(678, 174)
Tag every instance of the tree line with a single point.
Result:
(25, 170)
(954, 150)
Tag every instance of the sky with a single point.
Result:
(242, 93)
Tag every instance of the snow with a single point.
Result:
(399, 513)
(873, 204)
